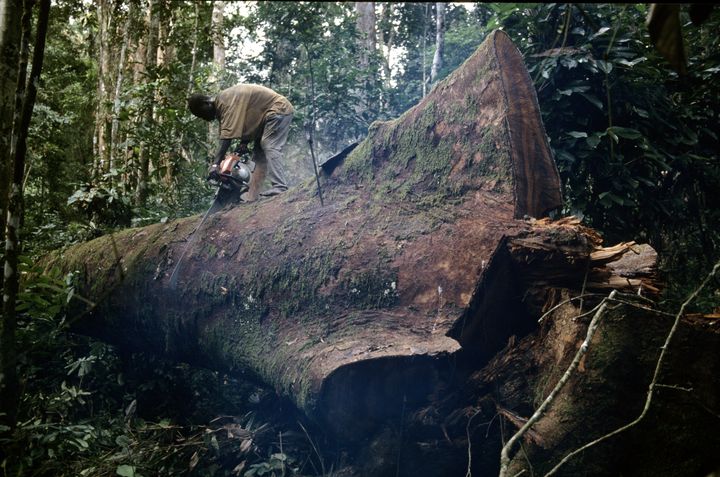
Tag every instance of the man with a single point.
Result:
(255, 113)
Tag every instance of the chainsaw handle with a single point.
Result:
(213, 173)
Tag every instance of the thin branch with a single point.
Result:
(615, 300)
(565, 302)
(322, 463)
(507, 448)
(469, 446)
(653, 383)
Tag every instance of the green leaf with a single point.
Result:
(632, 63)
(626, 133)
(612, 135)
(594, 140)
(641, 112)
(125, 470)
(577, 134)
(605, 66)
(601, 31)
(596, 102)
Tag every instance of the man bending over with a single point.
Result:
(250, 112)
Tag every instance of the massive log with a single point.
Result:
(426, 259)
(308, 298)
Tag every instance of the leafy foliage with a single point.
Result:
(88, 410)
(631, 138)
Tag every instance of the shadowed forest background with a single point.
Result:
(111, 145)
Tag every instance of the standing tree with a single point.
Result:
(153, 23)
(437, 63)
(8, 380)
(9, 41)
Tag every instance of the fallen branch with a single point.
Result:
(651, 387)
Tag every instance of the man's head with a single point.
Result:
(202, 106)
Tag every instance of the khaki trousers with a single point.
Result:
(268, 154)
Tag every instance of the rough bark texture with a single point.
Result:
(390, 309)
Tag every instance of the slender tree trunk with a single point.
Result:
(387, 42)
(102, 153)
(423, 47)
(118, 88)
(218, 15)
(10, 32)
(366, 20)
(8, 384)
(366, 25)
(138, 57)
(193, 62)
(216, 22)
(191, 79)
(166, 55)
(437, 63)
(150, 64)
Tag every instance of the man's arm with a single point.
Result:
(222, 150)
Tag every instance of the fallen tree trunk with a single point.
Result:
(424, 261)
(306, 297)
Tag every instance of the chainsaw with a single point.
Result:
(232, 178)
(232, 174)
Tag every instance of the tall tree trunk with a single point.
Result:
(437, 63)
(423, 47)
(114, 152)
(366, 20)
(366, 25)
(166, 55)
(8, 384)
(10, 32)
(138, 58)
(193, 62)
(386, 43)
(218, 16)
(216, 27)
(102, 153)
(184, 154)
(151, 52)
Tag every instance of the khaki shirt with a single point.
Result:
(242, 110)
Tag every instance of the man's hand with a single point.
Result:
(242, 149)
(213, 172)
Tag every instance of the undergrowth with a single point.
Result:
(89, 410)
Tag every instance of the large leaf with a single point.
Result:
(626, 133)
(125, 470)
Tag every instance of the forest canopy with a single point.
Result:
(111, 145)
